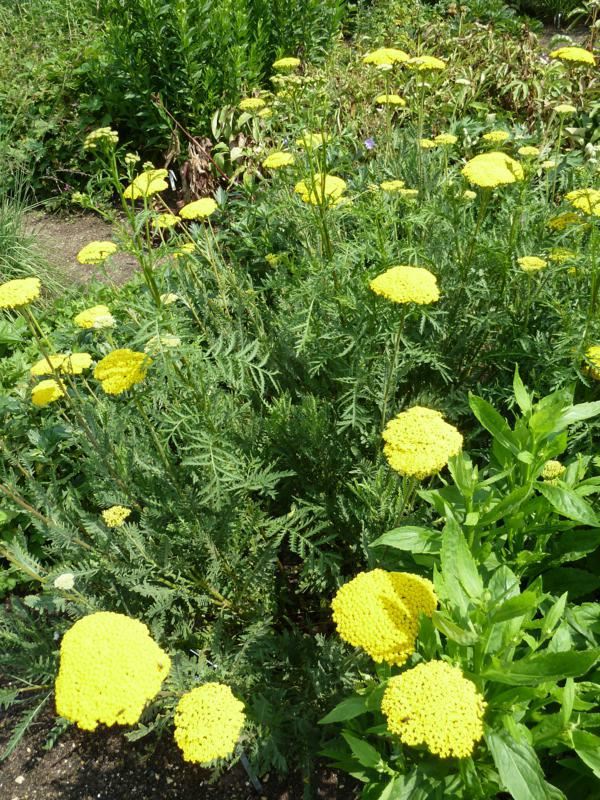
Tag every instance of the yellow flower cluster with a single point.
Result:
(434, 705)
(147, 184)
(528, 151)
(278, 160)
(19, 292)
(286, 63)
(565, 108)
(405, 284)
(419, 442)
(496, 137)
(427, 144)
(100, 136)
(561, 254)
(427, 64)
(379, 612)
(46, 392)
(553, 470)
(577, 55)
(564, 220)
(392, 186)
(199, 209)
(96, 252)
(593, 356)
(115, 516)
(166, 220)
(492, 169)
(110, 667)
(531, 263)
(390, 100)
(323, 190)
(446, 139)
(122, 369)
(386, 56)
(94, 317)
(586, 200)
(185, 249)
(208, 723)
(251, 104)
(73, 364)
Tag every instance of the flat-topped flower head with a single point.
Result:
(46, 392)
(251, 104)
(185, 249)
(323, 190)
(392, 186)
(199, 209)
(531, 263)
(95, 317)
(576, 55)
(96, 252)
(312, 141)
(208, 722)
(592, 355)
(419, 442)
(101, 136)
(67, 364)
(549, 163)
(565, 108)
(278, 160)
(564, 221)
(406, 284)
(390, 100)
(435, 706)
(19, 292)
(408, 194)
(427, 144)
(149, 183)
(427, 64)
(110, 667)
(379, 612)
(489, 170)
(287, 63)
(552, 470)
(385, 56)
(115, 516)
(586, 200)
(529, 151)
(561, 254)
(122, 369)
(445, 139)
(496, 137)
(166, 220)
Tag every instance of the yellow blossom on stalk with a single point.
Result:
(166, 220)
(148, 183)
(19, 292)
(110, 667)
(586, 200)
(496, 137)
(386, 55)
(272, 259)
(278, 160)
(100, 136)
(406, 284)
(251, 104)
(427, 144)
(322, 190)
(73, 364)
(288, 62)
(561, 254)
(311, 141)
(446, 139)
(528, 151)
(47, 365)
(379, 612)
(121, 369)
(489, 170)
(131, 159)
(390, 100)
(199, 209)
(531, 263)
(208, 722)
(409, 194)
(419, 442)
(435, 706)
(564, 220)
(392, 186)
(96, 252)
(469, 195)
(565, 108)
(427, 63)
(593, 356)
(553, 470)
(46, 392)
(115, 516)
(95, 317)
(186, 249)
(577, 55)
(64, 582)
(265, 113)
(549, 163)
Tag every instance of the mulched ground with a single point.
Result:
(105, 766)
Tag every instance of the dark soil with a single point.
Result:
(105, 766)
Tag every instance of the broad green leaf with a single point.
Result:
(518, 766)
(459, 569)
(365, 754)
(412, 539)
(494, 422)
(516, 607)
(506, 506)
(554, 615)
(569, 504)
(544, 667)
(568, 701)
(348, 709)
(577, 413)
(587, 747)
(521, 394)
(453, 631)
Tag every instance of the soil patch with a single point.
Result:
(59, 239)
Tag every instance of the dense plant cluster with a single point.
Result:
(297, 457)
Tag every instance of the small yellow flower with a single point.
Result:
(265, 113)
(199, 209)
(592, 354)
(46, 392)
(386, 56)
(553, 470)
(548, 164)
(492, 169)
(19, 292)
(531, 263)
(166, 220)
(392, 186)
(577, 55)
(251, 104)
(427, 144)
(312, 141)
(95, 317)
(469, 195)
(168, 298)
(496, 137)
(528, 151)
(390, 100)
(208, 723)
(148, 183)
(586, 200)
(286, 63)
(561, 254)
(278, 160)
(565, 108)
(446, 139)
(186, 249)
(434, 705)
(131, 159)
(122, 369)
(409, 194)
(73, 364)
(96, 252)
(64, 582)
(324, 190)
(115, 516)
(406, 284)
(427, 64)
(419, 442)
(47, 365)
(100, 136)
